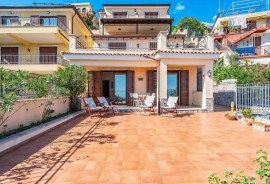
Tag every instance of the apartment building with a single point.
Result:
(32, 38)
(135, 51)
(245, 30)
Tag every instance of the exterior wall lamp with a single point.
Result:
(209, 73)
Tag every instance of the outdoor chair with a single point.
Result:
(136, 100)
(148, 104)
(169, 106)
(91, 106)
(105, 105)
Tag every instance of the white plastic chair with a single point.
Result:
(136, 100)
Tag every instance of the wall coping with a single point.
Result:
(13, 141)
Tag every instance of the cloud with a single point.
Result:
(179, 7)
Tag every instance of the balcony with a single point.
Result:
(45, 59)
(140, 43)
(253, 51)
(34, 22)
(136, 16)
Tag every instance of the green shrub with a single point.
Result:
(247, 113)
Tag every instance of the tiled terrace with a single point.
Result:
(129, 148)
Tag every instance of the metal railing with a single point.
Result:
(243, 10)
(254, 51)
(116, 44)
(197, 42)
(33, 22)
(33, 59)
(137, 16)
(256, 97)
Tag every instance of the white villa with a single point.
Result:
(136, 52)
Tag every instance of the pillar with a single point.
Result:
(72, 43)
(161, 83)
(207, 96)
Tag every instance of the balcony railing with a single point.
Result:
(137, 16)
(116, 44)
(43, 59)
(198, 42)
(254, 51)
(33, 22)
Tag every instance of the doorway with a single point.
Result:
(257, 44)
(120, 92)
(106, 88)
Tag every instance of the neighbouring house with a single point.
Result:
(33, 37)
(244, 30)
(86, 9)
(135, 51)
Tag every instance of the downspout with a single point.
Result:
(158, 79)
(72, 23)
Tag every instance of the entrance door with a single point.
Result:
(184, 88)
(257, 44)
(9, 55)
(120, 93)
(106, 88)
(48, 55)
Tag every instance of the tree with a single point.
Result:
(72, 78)
(192, 24)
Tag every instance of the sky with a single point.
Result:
(203, 10)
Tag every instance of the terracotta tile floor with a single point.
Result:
(129, 148)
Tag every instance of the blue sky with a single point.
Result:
(204, 10)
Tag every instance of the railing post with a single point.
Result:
(162, 40)
(210, 41)
(72, 43)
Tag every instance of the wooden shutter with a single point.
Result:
(150, 81)
(184, 87)
(62, 22)
(48, 55)
(257, 44)
(10, 55)
(130, 85)
(35, 20)
(97, 86)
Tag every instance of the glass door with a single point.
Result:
(172, 84)
(120, 88)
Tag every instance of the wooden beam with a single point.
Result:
(19, 39)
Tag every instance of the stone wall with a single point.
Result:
(225, 92)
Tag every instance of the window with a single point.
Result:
(153, 45)
(84, 10)
(120, 15)
(118, 45)
(9, 20)
(150, 15)
(199, 78)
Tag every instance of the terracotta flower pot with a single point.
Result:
(231, 118)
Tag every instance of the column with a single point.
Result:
(72, 43)
(207, 96)
(162, 40)
(161, 83)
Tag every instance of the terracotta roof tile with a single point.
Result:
(118, 53)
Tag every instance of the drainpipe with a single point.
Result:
(72, 23)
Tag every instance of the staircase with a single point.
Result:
(247, 34)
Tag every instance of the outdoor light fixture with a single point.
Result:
(152, 29)
(28, 49)
(48, 12)
(119, 29)
(209, 73)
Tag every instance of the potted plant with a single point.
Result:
(261, 126)
(231, 115)
(247, 116)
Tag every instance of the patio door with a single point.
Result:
(257, 44)
(9, 55)
(120, 90)
(48, 55)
